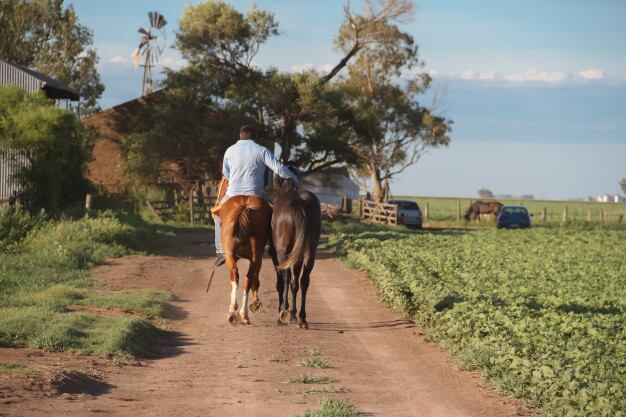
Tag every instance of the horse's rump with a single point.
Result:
(242, 217)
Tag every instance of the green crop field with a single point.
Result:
(540, 312)
(445, 208)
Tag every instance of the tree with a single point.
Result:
(623, 185)
(485, 193)
(48, 37)
(55, 144)
(390, 129)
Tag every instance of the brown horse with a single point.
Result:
(245, 232)
(481, 207)
(296, 229)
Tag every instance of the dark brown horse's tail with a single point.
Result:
(300, 239)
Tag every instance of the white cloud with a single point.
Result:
(532, 75)
(117, 59)
(536, 75)
(592, 74)
(478, 75)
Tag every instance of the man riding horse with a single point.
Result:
(242, 218)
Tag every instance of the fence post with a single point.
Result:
(346, 204)
(426, 211)
(361, 207)
(191, 206)
(458, 211)
(589, 215)
(565, 215)
(395, 212)
(544, 214)
(88, 201)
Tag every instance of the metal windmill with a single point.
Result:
(151, 46)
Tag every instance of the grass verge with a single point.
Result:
(46, 272)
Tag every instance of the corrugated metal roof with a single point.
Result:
(31, 81)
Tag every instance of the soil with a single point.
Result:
(206, 367)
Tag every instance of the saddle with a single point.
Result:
(221, 191)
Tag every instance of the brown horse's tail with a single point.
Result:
(300, 239)
(241, 212)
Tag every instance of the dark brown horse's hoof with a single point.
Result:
(284, 317)
(303, 324)
(234, 318)
(255, 306)
(293, 318)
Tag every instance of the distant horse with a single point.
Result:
(296, 229)
(245, 233)
(479, 208)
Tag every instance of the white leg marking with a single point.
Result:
(233, 296)
(244, 305)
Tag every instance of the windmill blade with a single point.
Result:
(157, 20)
(144, 31)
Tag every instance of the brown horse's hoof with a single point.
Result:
(255, 306)
(293, 318)
(303, 324)
(244, 320)
(234, 318)
(280, 323)
(284, 317)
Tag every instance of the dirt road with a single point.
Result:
(207, 367)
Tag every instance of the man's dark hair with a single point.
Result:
(247, 131)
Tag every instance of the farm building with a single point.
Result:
(30, 81)
(113, 127)
(610, 198)
(331, 185)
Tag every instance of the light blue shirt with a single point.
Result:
(244, 167)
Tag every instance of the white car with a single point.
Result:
(409, 213)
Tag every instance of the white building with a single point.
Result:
(330, 185)
(610, 198)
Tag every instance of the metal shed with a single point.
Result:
(32, 81)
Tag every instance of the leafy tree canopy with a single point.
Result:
(54, 143)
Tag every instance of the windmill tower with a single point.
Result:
(150, 47)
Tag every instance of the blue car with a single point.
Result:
(513, 217)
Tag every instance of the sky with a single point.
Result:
(536, 89)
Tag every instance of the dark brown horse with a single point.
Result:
(245, 233)
(296, 229)
(482, 207)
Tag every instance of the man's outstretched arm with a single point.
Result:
(278, 167)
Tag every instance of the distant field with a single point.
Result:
(445, 208)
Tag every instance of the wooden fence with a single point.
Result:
(379, 212)
(199, 212)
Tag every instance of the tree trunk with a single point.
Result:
(379, 192)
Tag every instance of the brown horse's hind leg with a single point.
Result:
(233, 315)
(256, 302)
(244, 301)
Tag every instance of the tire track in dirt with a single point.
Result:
(208, 368)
